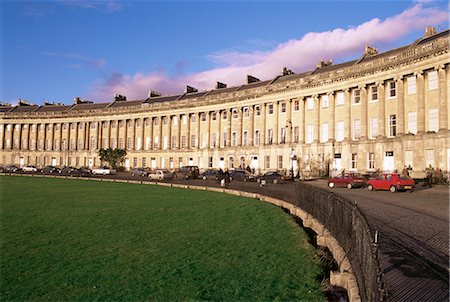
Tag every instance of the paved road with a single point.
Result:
(414, 239)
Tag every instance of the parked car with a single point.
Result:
(242, 175)
(391, 181)
(187, 172)
(271, 176)
(347, 179)
(104, 170)
(161, 174)
(67, 170)
(11, 168)
(50, 170)
(212, 174)
(82, 171)
(29, 168)
(139, 172)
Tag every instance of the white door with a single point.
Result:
(21, 162)
(90, 162)
(337, 166)
(127, 163)
(222, 163)
(53, 161)
(153, 164)
(254, 163)
(388, 161)
(191, 161)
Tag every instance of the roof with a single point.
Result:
(89, 106)
(50, 108)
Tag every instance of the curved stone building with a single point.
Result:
(382, 111)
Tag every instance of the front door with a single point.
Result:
(388, 162)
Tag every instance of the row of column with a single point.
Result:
(154, 134)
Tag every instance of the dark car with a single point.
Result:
(50, 170)
(67, 170)
(212, 174)
(349, 180)
(242, 175)
(82, 171)
(139, 172)
(11, 168)
(271, 176)
(187, 172)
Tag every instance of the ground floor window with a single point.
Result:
(267, 162)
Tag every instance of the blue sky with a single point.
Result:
(57, 50)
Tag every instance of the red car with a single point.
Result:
(347, 179)
(391, 181)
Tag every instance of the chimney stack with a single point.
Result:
(190, 89)
(220, 85)
(251, 79)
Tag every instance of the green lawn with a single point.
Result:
(86, 240)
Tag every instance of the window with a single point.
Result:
(429, 161)
(147, 143)
(135, 162)
(412, 122)
(258, 110)
(122, 143)
(373, 93)
(139, 123)
(234, 138)
(231, 162)
(245, 138)
(432, 80)
(175, 120)
(354, 163)
(235, 113)
(391, 90)
(156, 142)
(371, 161)
(225, 115)
(340, 131)
(214, 140)
(156, 121)
(373, 127)
(283, 107)
(356, 129)
(147, 122)
(129, 143)
(113, 143)
(105, 143)
(411, 82)
(280, 162)
(324, 133)
(267, 162)
(185, 119)
(433, 120)
(144, 162)
(340, 98)
(325, 101)
(214, 116)
(165, 142)
(194, 118)
(409, 159)
(93, 143)
(257, 137)
(183, 141)
(210, 162)
(174, 141)
(392, 125)
(224, 139)
(309, 103)
(309, 134)
(356, 96)
(296, 134)
(271, 109)
(283, 135)
(193, 141)
(246, 112)
(296, 105)
(180, 162)
(203, 117)
(270, 137)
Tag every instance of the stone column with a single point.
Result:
(442, 78)
(302, 126)
(316, 137)
(180, 122)
(364, 120)
(87, 134)
(19, 134)
(289, 127)
(251, 130)
(264, 125)
(219, 132)
(400, 105)
(332, 124)
(348, 113)
(229, 124)
(420, 102)
(208, 130)
(170, 123)
(381, 110)
(199, 122)
(240, 126)
(2, 136)
(276, 130)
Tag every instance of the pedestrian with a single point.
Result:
(405, 172)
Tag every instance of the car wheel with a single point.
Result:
(393, 189)
(275, 181)
(370, 187)
(245, 179)
(331, 185)
(204, 177)
(349, 186)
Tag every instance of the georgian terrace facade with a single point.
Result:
(382, 111)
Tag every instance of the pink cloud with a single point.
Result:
(298, 55)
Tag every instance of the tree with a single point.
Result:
(112, 156)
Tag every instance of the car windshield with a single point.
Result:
(404, 177)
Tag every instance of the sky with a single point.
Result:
(56, 50)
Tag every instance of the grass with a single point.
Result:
(80, 240)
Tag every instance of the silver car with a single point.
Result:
(161, 174)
